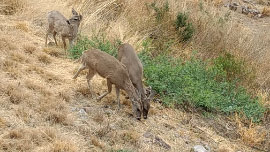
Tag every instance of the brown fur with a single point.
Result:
(114, 71)
(66, 28)
(128, 56)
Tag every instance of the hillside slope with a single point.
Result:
(43, 109)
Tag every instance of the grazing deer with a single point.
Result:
(128, 56)
(66, 28)
(114, 71)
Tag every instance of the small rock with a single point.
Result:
(199, 148)
(260, 15)
(82, 112)
(148, 135)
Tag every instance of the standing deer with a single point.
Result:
(128, 56)
(114, 71)
(66, 28)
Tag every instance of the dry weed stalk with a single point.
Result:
(252, 135)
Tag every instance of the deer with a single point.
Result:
(128, 56)
(108, 67)
(68, 29)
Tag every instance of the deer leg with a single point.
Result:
(117, 90)
(89, 77)
(54, 34)
(109, 84)
(82, 67)
(64, 42)
(70, 42)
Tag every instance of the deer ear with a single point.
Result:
(74, 12)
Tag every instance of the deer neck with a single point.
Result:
(73, 29)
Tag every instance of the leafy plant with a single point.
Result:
(187, 32)
(196, 82)
(185, 29)
(235, 69)
(181, 20)
(98, 42)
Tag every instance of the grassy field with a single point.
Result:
(209, 66)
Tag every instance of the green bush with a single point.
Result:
(184, 28)
(181, 20)
(98, 42)
(195, 82)
(235, 70)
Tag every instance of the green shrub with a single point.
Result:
(98, 42)
(184, 28)
(181, 20)
(82, 44)
(188, 32)
(235, 69)
(195, 82)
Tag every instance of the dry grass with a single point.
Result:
(15, 134)
(65, 95)
(96, 142)
(45, 98)
(37, 87)
(53, 110)
(32, 68)
(130, 136)
(58, 117)
(64, 146)
(11, 7)
(30, 139)
(22, 26)
(252, 135)
(24, 114)
(2, 122)
(17, 56)
(9, 65)
(16, 94)
(126, 102)
(83, 90)
(51, 78)
(44, 58)
(5, 44)
(99, 118)
(103, 131)
(266, 11)
(30, 49)
(54, 52)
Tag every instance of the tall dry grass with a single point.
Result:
(36, 92)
